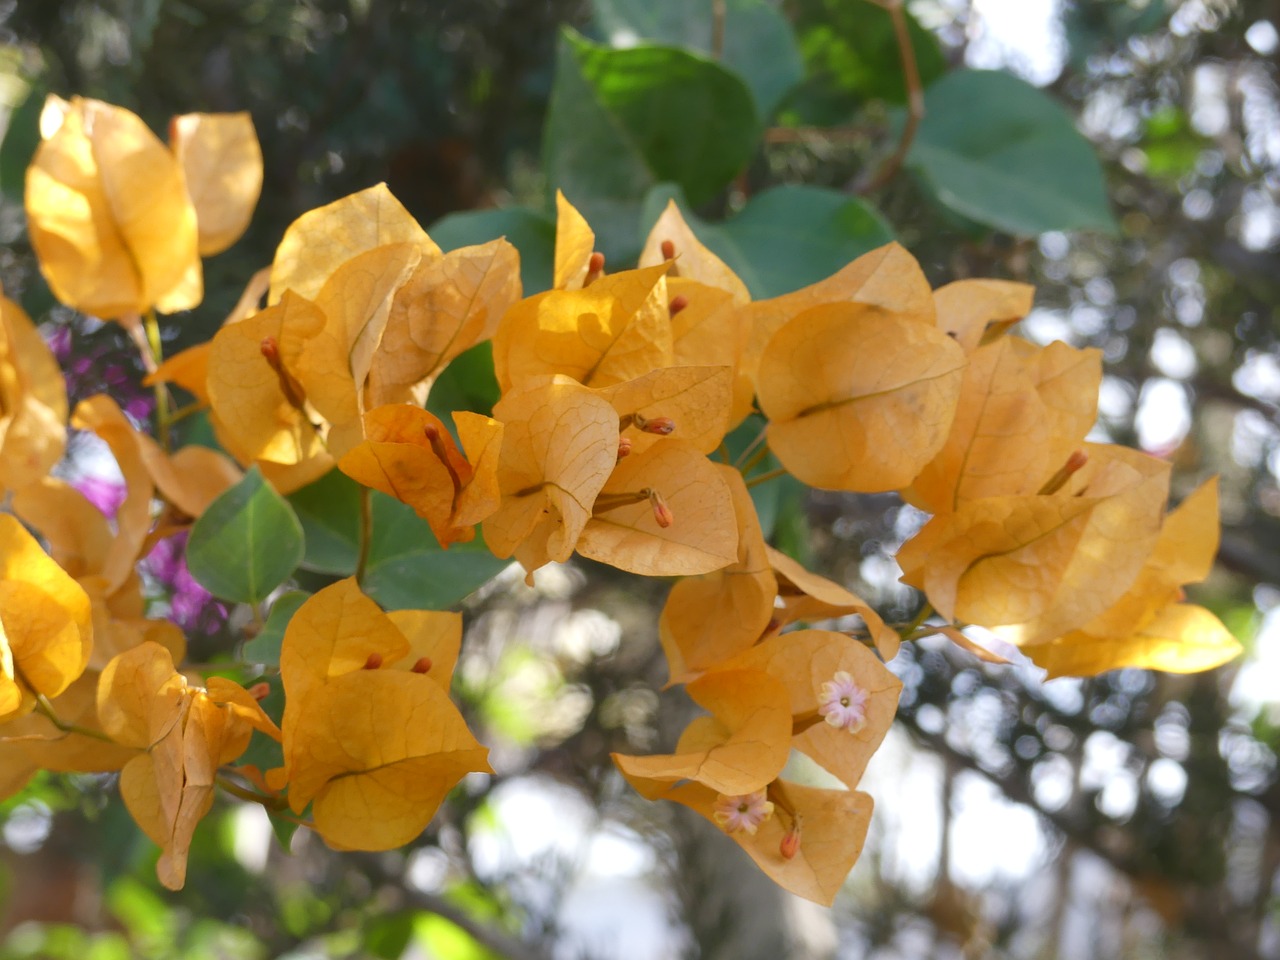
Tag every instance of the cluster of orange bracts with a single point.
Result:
(617, 390)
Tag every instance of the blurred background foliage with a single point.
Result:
(1122, 155)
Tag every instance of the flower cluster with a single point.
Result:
(617, 393)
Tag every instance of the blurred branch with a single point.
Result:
(915, 98)
(1215, 928)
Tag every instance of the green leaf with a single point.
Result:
(851, 54)
(330, 513)
(19, 129)
(407, 570)
(247, 543)
(758, 43)
(621, 121)
(265, 647)
(533, 234)
(786, 237)
(467, 383)
(997, 150)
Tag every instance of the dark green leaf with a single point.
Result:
(265, 647)
(851, 53)
(330, 513)
(758, 43)
(21, 136)
(786, 237)
(621, 121)
(247, 543)
(529, 232)
(997, 150)
(467, 383)
(407, 570)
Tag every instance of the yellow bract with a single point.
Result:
(116, 217)
(46, 627)
(858, 398)
(615, 330)
(559, 446)
(33, 401)
(371, 739)
(185, 734)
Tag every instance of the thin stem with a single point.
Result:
(183, 412)
(718, 13)
(754, 461)
(915, 97)
(253, 796)
(366, 532)
(145, 334)
(925, 613)
(766, 477)
(45, 709)
(750, 448)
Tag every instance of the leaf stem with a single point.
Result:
(718, 12)
(915, 97)
(45, 709)
(253, 796)
(925, 613)
(766, 477)
(366, 533)
(751, 447)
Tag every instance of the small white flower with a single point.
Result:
(843, 703)
(745, 812)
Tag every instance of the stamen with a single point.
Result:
(373, 662)
(662, 426)
(1055, 483)
(678, 303)
(668, 250)
(661, 512)
(624, 447)
(294, 395)
(442, 454)
(595, 268)
(423, 665)
(260, 691)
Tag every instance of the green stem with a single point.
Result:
(163, 418)
(750, 448)
(45, 709)
(366, 532)
(925, 613)
(766, 477)
(253, 796)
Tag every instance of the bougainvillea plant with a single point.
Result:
(608, 441)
